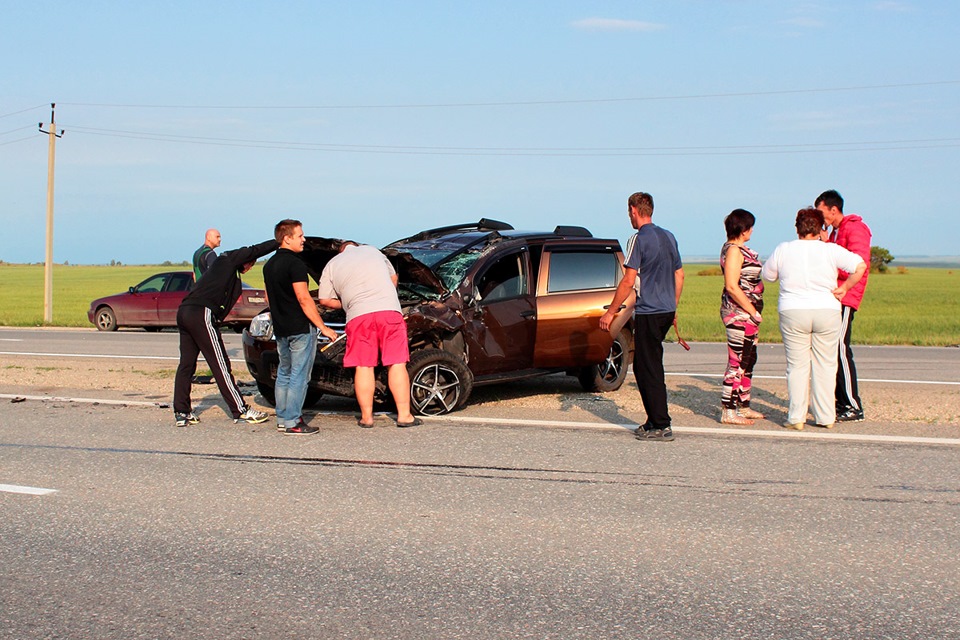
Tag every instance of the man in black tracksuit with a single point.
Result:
(198, 320)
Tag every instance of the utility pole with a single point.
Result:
(48, 264)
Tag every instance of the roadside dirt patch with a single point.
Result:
(694, 401)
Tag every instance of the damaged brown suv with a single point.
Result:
(484, 304)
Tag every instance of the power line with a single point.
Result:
(3, 133)
(3, 144)
(453, 105)
(14, 113)
(830, 147)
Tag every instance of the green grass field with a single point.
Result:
(918, 306)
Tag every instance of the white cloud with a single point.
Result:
(616, 24)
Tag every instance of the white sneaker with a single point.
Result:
(252, 416)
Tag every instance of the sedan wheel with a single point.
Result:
(106, 319)
(439, 382)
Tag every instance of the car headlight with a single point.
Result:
(261, 326)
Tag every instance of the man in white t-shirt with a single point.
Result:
(361, 281)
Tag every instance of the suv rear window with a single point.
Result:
(578, 270)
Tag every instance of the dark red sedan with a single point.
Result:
(153, 304)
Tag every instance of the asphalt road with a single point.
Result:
(939, 364)
(116, 525)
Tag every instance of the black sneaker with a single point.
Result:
(282, 427)
(184, 419)
(664, 435)
(301, 429)
(850, 415)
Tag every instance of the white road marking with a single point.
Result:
(32, 491)
(604, 426)
(720, 375)
(803, 435)
(11, 340)
(630, 370)
(85, 355)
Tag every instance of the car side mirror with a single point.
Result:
(474, 299)
(133, 289)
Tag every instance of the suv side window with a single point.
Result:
(579, 270)
(504, 279)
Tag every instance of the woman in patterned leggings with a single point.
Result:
(740, 307)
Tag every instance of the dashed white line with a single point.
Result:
(32, 491)
(691, 374)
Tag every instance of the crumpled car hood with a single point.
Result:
(317, 252)
(409, 269)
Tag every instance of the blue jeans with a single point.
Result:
(297, 354)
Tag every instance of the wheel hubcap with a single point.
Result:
(610, 370)
(435, 390)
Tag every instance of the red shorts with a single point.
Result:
(378, 337)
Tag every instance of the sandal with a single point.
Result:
(730, 416)
(416, 422)
(749, 413)
(361, 423)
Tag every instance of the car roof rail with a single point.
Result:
(484, 224)
(572, 231)
(489, 224)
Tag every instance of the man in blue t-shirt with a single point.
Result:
(655, 257)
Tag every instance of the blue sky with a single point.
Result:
(374, 120)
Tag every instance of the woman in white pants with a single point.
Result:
(809, 308)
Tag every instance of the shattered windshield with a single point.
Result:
(447, 258)
(450, 270)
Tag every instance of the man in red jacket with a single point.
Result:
(850, 232)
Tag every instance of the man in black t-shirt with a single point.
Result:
(296, 321)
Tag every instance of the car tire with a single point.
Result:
(266, 392)
(313, 397)
(106, 319)
(270, 397)
(610, 374)
(439, 382)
